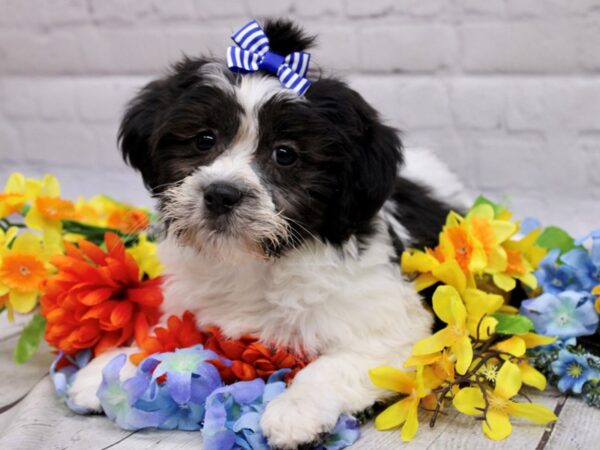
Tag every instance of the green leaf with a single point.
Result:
(30, 338)
(512, 324)
(555, 237)
(481, 200)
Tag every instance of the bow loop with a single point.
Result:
(253, 54)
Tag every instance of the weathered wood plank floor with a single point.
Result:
(31, 417)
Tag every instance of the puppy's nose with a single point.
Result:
(221, 197)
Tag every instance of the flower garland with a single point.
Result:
(88, 272)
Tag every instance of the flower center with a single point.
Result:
(563, 319)
(574, 370)
(556, 282)
(24, 270)
(497, 403)
(489, 372)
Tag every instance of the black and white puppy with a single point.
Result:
(285, 216)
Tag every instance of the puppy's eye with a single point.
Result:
(284, 156)
(205, 140)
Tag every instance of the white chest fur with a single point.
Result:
(315, 298)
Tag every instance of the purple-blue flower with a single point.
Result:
(189, 375)
(63, 378)
(573, 371)
(118, 398)
(168, 392)
(233, 413)
(345, 433)
(566, 314)
(554, 278)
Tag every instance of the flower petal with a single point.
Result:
(532, 411)
(393, 379)
(434, 343)
(469, 401)
(393, 415)
(23, 302)
(508, 382)
(497, 425)
(464, 354)
(411, 426)
(532, 377)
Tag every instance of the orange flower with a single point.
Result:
(97, 300)
(249, 358)
(55, 208)
(129, 221)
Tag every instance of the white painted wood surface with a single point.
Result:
(32, 417)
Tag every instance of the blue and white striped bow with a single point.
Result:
(253, 54)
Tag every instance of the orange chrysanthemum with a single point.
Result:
(97, 299)
(250, 359)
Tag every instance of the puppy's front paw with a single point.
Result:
(297, 419)
(82, 395)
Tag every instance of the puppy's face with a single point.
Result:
(241, 166)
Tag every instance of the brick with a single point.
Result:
(407, 48)
(21, 12)
(123, 51)
(197, 42)
(531, 47)
(421, 104)
(372, 8)
(105, 147)
(208, 9)
(420, 8)
(488, 8)
(102, 100)
(34, 53)
(555, 103)
(477, 104)
(504, 163)
(330, 41)
(590, 156)
(10, 150)
(19, 98)
(589, 50)
(49, 143)
(318, 8)
(117, 11)
(57, 99)
(269, 8)
(168, 10)
(63, 12)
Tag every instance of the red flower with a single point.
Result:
(250, 359)
(97, 299)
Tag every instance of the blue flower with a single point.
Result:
(189, 375)
(566, 314)
(168, 392)
(63, 378)
(573, 371)
(233, 413)
(345, 433)
(553, 278)
(118, 398)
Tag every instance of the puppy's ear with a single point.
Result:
(373, 153)
(139, 121)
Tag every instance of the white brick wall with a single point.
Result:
(506, 91)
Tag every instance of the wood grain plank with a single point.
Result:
(41, 420)
(577, 429)
(22, 377)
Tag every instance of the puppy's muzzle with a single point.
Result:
(221, 198)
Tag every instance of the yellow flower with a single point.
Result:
(103, 211)
(13, 197)
(405, 411)
(144, 253)
(438, 367)
(48, 209)
(449, 307)
(479, 304)
(596, 291)
(23, 268)
(500, 407)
